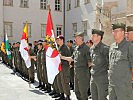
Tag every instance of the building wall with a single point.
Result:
(33, 15)
(130, 12)
(1, 20)
(85, 12)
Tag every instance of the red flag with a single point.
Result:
(24, 46)
(49, 25)
(53, 62)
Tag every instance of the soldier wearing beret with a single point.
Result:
(81, 57)
(99, 66)
(120, 56)
(64, 75)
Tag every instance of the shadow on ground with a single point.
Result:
(37, 92)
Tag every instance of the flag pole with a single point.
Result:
(27, 39)
(55, 36)
(57, 48)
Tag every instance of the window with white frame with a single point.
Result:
(77, 3)
(58, 5)
(59, 30)
(8, 2)
(24, 3)
(43, 4)
(8, 28)
(84, 27)
(29, 29)
(68, 4)
(86, 1)
(43, 30)
(74, 27)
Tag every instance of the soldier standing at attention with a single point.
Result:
(70, 46)
(89, 43)
(46, 85)
(130, 39)
(39, 64)
(99, 66)
(64, 75)
(120, 56)
(81, 57)
(31, 69)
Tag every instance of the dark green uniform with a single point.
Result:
(31, 69)
(120, 56)
(99, 74)
(81, 56)
(39, 67)
(72, 68)
(14, 58)
(19, 61)
(44, 71)
(35, 51)
(55, 85)
(46, 85)
(64, 78)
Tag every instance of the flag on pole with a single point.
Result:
(53, 62)
(3, 46)
(7, 47)
(24, 46)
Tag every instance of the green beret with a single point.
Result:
(129, 28)
(99, 32)
(119, 25)
(79, 34)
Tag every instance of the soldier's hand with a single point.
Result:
(60, 56)
(33, 57)
(90, 64)
(70, 66)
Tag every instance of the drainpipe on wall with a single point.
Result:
(64, 13)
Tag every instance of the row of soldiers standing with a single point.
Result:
(111, 67)
(102, 69)
(38, 61)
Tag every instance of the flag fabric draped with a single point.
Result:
(24, 46)
(7, 47)
(49, 27)
(53, 62)
(3, 46)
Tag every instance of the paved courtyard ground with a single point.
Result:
(13, 87)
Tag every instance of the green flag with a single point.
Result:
(7, 47)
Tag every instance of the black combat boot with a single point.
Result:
(62, 97)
